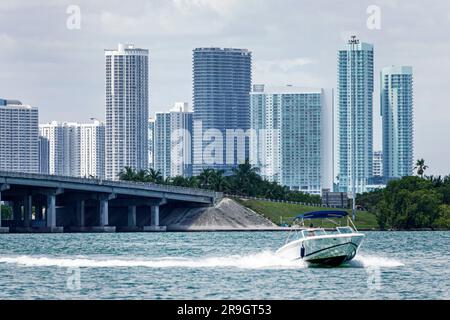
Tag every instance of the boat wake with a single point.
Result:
(363, 261)
(262, 260)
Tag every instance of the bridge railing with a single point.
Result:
(113, 183)
(284, 201)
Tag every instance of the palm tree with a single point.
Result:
(206, 178)
(141, 176)
(154, 176)
(420, 167)
(219, 181)
(179, 181)
(437, 181)
(246, 178)
(192, 182)
(127, 174)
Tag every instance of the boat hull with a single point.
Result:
(330, 250)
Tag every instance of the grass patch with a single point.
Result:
(284, 212)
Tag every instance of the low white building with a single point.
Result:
(74, 149)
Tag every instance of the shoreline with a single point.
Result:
(198, 229)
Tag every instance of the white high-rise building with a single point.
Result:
(291, 136)
(162, 143)
(173, 141)
(19, 137)
(63, 142)
(398, 124)
(151, 144)
(74, 149)
(126, 109)
(92, 149)
(44, 154)
(181, 122)
(355, 114)
(378, 163)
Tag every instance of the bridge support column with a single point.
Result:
(27, 208)
(17, 212)
(80, 213)
(155, 216)
(2, 229)
(154, 222)
(131, 216)
(103, 206)
(103, 212)
(50, 211)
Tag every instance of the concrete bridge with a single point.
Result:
(46, 203)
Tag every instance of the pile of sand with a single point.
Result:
(225, 215)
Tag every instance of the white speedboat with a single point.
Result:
(321, 247)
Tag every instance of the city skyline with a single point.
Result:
(214, 70)
(400, 41)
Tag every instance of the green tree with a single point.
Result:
(154, 176)
(6, 212)
(443, 220)
(141, 176)
(193, 182)
(127, 174)
(420, 167)
(179, 181)
(246, 179)
(410, 202)
(206, 178)
(218, 181)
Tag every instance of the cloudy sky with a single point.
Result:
(61, 70)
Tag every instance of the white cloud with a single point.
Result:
(222, 7)
(180, 17)
(283, 65)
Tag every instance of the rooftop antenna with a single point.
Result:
(353, 40)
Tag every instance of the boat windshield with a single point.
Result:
(344, 230)
(313, 233)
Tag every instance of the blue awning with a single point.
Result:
(322, 214)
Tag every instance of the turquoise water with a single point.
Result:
(222, 265)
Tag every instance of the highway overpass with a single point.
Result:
(47, 203)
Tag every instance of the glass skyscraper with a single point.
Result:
(221, 87)
(126, 109)
(289, 136)
(355, 115)
(397, 113)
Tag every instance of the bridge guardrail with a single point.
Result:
(286, 201)
(112, 183)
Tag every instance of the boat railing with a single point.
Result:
(350, 223)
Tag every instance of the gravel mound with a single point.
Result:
(225, 215)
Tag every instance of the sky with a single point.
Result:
(47, 63)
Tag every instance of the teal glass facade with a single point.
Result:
(355, 116)
(397, 114)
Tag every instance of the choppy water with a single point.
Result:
(222, 265)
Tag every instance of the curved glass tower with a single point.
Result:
(221, 96)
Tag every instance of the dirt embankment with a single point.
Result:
(226, 215)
